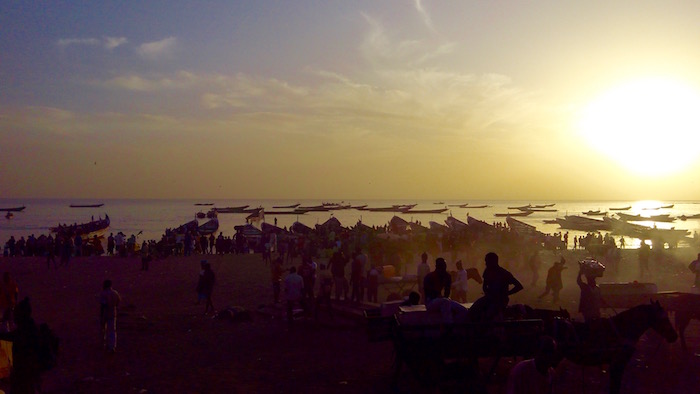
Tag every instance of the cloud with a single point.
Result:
(424, 15)
(113, 42)
(156, 49)
(138, 83)
(64, 42)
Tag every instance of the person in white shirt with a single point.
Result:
(460, 286)
(293, 289)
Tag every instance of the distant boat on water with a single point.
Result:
(522, 213)
(286, 206)
(204, 203)
(621, 208)
(15, 209)
(86, 205)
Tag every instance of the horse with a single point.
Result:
(686, 307)
(612, 340)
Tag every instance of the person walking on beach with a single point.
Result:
(50, 252)
(644, 253)
(109, 302)
(276, 276)
(205, 287)
(357, 275)
(293, 288)
(554, 282)
(460, 285)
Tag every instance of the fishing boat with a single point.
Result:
(85, 205)
(581, 223)
(686, 217)
(200, 215)
(439, 210)
(15, 209)
(621, 208)
(521, 213)
(209, 227)
(89, 229)
(533, 209)
(204, 203)
(393, 208)
(286, 206)
(597, 212)
(239, 209)
(544, 205)
(455, 224)
(190, 226)
(437, 227)
(521, 207)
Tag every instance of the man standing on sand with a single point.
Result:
(694, 267)
(207, 287)
(293, 288)
(422, 271)
(497, 290)
(109, 302)
(644, 252)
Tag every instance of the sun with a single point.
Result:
(651, 126)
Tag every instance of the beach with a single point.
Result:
(167, 344)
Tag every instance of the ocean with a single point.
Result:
(152, 217)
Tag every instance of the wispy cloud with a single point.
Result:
(105, 42)
(156, 49)
(64, 42)
(424, 15)
(113, 42)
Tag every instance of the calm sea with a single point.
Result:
(152, 217)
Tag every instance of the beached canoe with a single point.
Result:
(209, 227)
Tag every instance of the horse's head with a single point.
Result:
(473, 273)
(659, 322)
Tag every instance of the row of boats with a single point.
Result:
(23, 207)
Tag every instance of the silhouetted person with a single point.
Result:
(438, 283)
(536, 375)
(422, 270)
(497, 290)
(589, 304)
(109, 302)
(554, 282)
(644, 253)
(25, 376)
(694, 267)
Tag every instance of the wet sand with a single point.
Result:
(166, 344)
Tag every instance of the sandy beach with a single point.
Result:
(166, 344)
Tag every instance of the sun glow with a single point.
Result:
(651, 126)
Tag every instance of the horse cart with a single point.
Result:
(436, 352)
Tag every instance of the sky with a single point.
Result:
(419, 99)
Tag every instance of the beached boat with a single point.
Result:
(455, 224)
(15, 209)
(190, 226)
(286, 206)
(94, 227)
(622, 227)
(581, 223)
(209, 227)
(665, 218)
(437, 227)
(211, 214)
(479, 225)
(521, 227)
(85, 205)
(521, 213)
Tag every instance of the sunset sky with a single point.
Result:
(350, 100)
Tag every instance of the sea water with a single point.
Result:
(151, 217)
